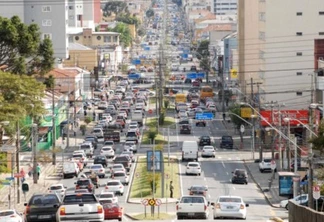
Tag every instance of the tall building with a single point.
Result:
(49, 15)
(224, 7)
(276, 48)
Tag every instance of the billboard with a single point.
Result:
(233, 74)
(154, 160)
(296, 117)
(246, 112)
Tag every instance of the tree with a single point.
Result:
(128, 19)
(149, 13)
(203, 49)
(20, 96)
(204, 63)
(318, 142)
(115, 7)
(22, 50)
(141, 32)
(125, 36)
(236, 109)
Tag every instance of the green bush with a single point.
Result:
(161, 118)
(152, 135)
(87, 119)
(166, 104)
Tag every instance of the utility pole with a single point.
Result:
(17, 160)
(220, 73)
(34, 147)
(252, 94)
(53, 128)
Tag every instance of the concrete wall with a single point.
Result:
(82, 58)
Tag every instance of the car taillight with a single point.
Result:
(188, 167)
(177, 207)
(205, 207)
(242, 206)
(90, 185)
(198, 168)
(121, 187)
(27, 210)
(99, 209)
(13, 215)
(62, 211)
(217, 206)
(106, 187)
(101, 170)
(191, 193)
(77, 187)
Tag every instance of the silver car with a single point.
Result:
(208, 151)
(98, 169)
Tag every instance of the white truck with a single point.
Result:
(192, 207)
(138, 117)
(189, 150)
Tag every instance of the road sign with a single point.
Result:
(137, 175)
(200, 75)
(316, 192)
(273, 164)
(242, 128)
(136, 61)
(147, 48)
(150, 111)
(158, 202)
(151, 202)
(191, 75)
(204, 116)
(10, 178)
(134, 76)
(145, 202)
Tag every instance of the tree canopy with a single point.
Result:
(203, 49)
(115, 7)
(20, 96)
(125, 35)
(318, 142)
(22, 50)
(128, 19)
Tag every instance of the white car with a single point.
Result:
(193, 168)
(107, 151)
(134, 123)
(115, 186)
(110, 143)
(103, 105)
(117, 167)
(121, 176)
(104, 196)
(107, 116)
(99, 170)
(300, 199)
(80, 207)
(10, 216)
(265, 165)
(208, 151)
(229, 207)
(183, 114)
(79, 156)
(130, 145)
(60, 189)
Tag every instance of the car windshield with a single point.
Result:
(83, 182)
(106, 195)
(192, 200)
(105, 202)
(119, 174)
(44, 199)
(227, 138)
(267, 160)
(58, 187)
(85, 147)
(193, 164)
(80, 198)
(229, 200)
(113, 183)
(106, 148)
(77, 156)
(197, 188)
(96, 166)
(6, 213)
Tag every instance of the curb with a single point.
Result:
(277, 219)
(130, 217)
(127, 198)
(258, 185)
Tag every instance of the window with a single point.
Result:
(71, 17)
(299, 13)
(98, 37)
(107, 39)
(299, 53)
(262, 16)
(46, 8)
(47, 35)
(299, 73)
(71, 7)
(47, 22)
(299, 93)
(76, 38)
(299, 33)
(262, 35)
(321, 13)
(115, 38)
(321, 33)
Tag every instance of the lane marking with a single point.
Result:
(233, 188)
(204, 178)
(223, 164)
(227, 173)
(181, 186)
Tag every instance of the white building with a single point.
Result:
(224, 7)
(276, 48)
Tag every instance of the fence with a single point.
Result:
(298, 213)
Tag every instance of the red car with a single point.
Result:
(112, 211)
(196, 83)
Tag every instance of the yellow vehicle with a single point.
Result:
(180, 98)
(205, 92)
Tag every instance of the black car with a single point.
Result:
(101, 160)
(188, 81)
(204, 141)
(83, 183)
(201, 123)
(198, 190)
(240, 176)
(42, 207)
(93, 140)
(185, 129)
(226, 142)
(184, 122)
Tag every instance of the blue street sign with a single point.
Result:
(204, 116)
(147, 48)
(192, 75)
(10, 178)
(200, 75)
(186, 50)
(184, 55)
(136, 61)
(134, 76)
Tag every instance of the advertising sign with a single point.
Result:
(154, 160)
(246, 112)
(296, 117)
(285, 185)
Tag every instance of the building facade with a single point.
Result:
(224, 7)
(276, 48)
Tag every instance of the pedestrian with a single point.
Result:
(77, 122)
(171, 189)
(38, 170)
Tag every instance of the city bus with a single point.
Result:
(205, 92)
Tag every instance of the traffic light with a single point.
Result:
(25, 187)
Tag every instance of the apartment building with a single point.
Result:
(224, 7)
(276, 48)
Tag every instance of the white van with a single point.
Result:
(189, 150)
(70, 169)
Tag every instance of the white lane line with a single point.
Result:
(223, 164)
(204, 178)
(219, 157)
(233, 188)
(227, 173)
(181, 186)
